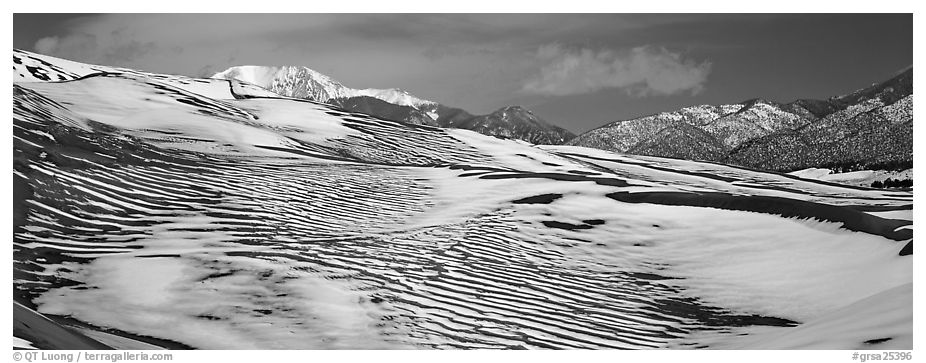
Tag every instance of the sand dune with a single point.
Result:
(146, 206)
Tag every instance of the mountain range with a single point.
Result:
(870, 128)
(513, 122)
(866, 129)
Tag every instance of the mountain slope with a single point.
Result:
(681, 141)
(397, 105)
(624, 135)
(383, 109)
(515, 122)
(871, 127)
(233, 222)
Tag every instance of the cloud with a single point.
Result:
(76, 46)
(110, 48)
(46, 45)
(641, 71)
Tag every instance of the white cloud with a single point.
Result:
(46, 45)
(642, 70)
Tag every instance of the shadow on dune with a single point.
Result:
(851, 219)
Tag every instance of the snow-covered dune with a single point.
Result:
(32, 67)
(154, 206)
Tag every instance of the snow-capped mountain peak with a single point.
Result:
(395, 96)
(298, 82)
(304, 82)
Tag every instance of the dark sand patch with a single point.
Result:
(851, 219)
(876, 341)
(711, 316)
(539, 199)
(613, 182)
(566, 226)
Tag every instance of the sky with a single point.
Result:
(578, 71)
